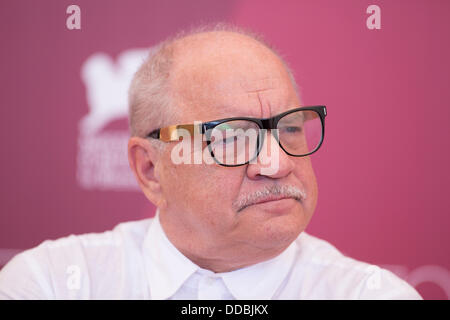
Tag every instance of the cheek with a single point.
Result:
(305, 174)
(201, 188)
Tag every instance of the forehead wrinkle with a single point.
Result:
(258, 85)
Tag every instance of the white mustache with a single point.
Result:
(268, 192)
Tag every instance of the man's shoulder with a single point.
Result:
(46, 270)
(319, 254)
(129, 234)
(337, 276)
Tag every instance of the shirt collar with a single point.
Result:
(260, 281)
(168, 269)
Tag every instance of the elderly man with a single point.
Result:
(231, 213)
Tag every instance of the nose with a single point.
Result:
(272, 161)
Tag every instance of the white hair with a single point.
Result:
(150, 98)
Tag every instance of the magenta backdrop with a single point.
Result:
(383, 171)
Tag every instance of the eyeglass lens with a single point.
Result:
(237, 142)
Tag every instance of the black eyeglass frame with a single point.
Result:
(169, 133)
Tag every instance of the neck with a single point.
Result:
(220, 264)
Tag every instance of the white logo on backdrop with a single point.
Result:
(102, 154)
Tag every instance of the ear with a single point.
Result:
(143, 157)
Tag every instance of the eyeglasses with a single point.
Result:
(238, 141)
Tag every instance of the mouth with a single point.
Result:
(273, 198)
(269, 199)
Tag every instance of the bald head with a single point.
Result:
(195, 67)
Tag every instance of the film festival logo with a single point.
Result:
(102, 161)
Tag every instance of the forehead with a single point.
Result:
(234, 80)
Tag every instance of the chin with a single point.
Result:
(282, 236)
(278, 232)
(273, 225)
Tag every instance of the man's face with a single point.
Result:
(232, 79)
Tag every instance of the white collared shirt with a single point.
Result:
(137, 261)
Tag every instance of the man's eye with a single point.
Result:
(292, 129)
(223, 141)
(229, 139)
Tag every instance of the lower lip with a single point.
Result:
(277, 206)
